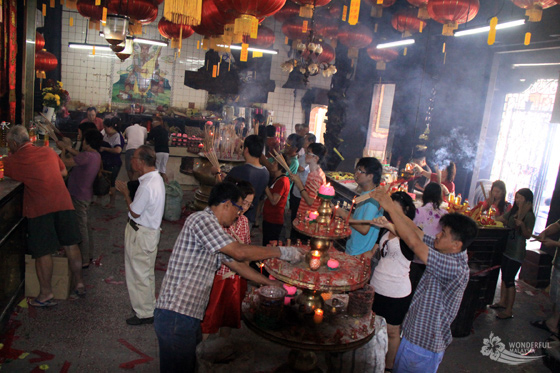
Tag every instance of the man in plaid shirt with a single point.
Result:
(199, 251)
(426, 327)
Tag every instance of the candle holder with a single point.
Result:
(325, 211)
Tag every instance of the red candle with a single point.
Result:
(350, 212)
(315, 261)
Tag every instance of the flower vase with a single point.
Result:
(49, 113)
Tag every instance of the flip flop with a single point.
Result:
(504, 317)
(541, 324)
(78, 293)
(46, 303)
(496, 306)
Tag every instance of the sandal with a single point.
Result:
(496, 306)
(78, 293)
(46, 303)
(541, 324)
(501, 316)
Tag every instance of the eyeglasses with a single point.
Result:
(239, 207)
(247, 204)
(358, 172)
(311, 154)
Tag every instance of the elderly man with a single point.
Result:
(51, 220)
(141, 235)
(200, 249)
(92, 117)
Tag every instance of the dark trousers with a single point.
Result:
(177, 336)
(271, 232)
(294, 206)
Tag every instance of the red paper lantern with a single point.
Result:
(39, 42)
(293, 28)
(265, 38)
(288, 10)
(213, 20)
(88, 9)
(327, 27)
(422, 6)
(382, 56)
(249, 11)
(534, 8)
(355, 37)
(45, 61)
(142, 11)
(172, 30)
(407, 22)
(307, 7)
(452, 13)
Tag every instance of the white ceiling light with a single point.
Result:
(250, 49)
(500, 26)
(86, 46)
(541, 64)
(395, 44)
(150, 42)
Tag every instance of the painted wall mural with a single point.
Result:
(144, 81)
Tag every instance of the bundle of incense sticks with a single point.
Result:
(209, 146)
(50, 125)
(48, 130)
(280, 159)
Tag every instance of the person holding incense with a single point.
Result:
(316, 178)
(275, 203)
(364, 236)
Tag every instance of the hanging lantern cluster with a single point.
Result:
(382, 56)
(377, 6)
(407, 22)
(534, 8)
(422, 6)
(312, 58)
(452, 13)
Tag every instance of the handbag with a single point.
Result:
(102, 182)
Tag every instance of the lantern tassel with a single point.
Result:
(244, 24)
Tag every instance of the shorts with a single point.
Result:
(509, 270)
(161, 162)
(392, 309)
(46, 233)
(128, 159)
(114, 170)
(555, 287)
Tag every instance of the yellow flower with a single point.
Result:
(60, 84)
(57, 97)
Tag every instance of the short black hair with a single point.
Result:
(94, 138)
(245, 187)
(222, 192)
(255, 145)
(240, 119)
(280, 167)
(112, 122)
(92, 108)
(295, 140)
(318, 149)
(462, 227)
(406, 203)
(147, 155)
(87, 126)
(432, 194)
(372, 166)
(311, 138)
(270, 131)
(259, 118)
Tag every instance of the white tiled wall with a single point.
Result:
(89, 79)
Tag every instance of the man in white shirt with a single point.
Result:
(141, 235)
(135, 136)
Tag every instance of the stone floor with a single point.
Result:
(91, 335)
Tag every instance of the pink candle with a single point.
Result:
(333, 264)
(313, 215)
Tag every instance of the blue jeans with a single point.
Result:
(178, 336)
(412, 358)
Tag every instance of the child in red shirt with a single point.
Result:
(275, 203)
